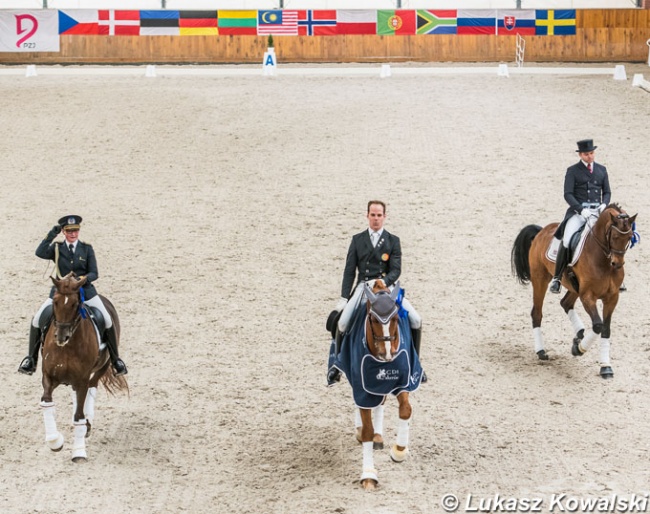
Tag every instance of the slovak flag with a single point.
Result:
(119, 23)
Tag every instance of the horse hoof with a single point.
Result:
(398, 455)
(369, 479)
(369, 485)
(575, 348)
(543, 356)
(606, 372)
(79, 460)
(377, 445)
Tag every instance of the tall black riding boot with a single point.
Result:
(416, 334)
(334, 374)
(560, 263)
(111, 344)
(28, 365)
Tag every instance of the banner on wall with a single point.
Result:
(29, 31)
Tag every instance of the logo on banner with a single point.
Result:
(25, 23)
(510, 22)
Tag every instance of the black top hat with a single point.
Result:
(586, 146)
(70, 222)
(332, 322)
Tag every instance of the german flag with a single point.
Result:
(198, 23)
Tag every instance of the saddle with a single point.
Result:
(94, 313)
(575, 246)
(96, 317)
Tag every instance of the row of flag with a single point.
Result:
(316, 22)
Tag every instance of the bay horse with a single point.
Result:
(72, 356)
(378, 358)
(597, 275)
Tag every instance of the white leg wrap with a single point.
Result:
(52, 436)
(589, 339)
(369, 470)
(403, 432)
(89, 406)
(79, 444)
(539, 341)
(357, 418)
(378, 419)
(604, 352)
(575, 320)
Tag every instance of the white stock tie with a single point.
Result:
(374, 238)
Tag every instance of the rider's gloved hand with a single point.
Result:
(341, 304)
(55, 231)
(585, 213)
(601, 208)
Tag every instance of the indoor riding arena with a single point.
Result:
(220, 199)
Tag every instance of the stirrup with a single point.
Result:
(27, 366)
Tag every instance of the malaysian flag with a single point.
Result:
(277, 22)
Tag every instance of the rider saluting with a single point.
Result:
(586, 189)
(78, 257)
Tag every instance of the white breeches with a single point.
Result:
(414, 318)
(572, 226)
(95, 301)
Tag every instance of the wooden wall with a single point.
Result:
(601, 36)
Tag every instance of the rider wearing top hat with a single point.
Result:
(78, 257)
(586, 190)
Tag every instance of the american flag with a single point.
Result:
(277, 22)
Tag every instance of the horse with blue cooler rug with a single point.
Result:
(378, 358)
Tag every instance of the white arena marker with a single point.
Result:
(151, 71)
(385, 71)
(503, 70)
(31, 70)
(637, 80)
(270, 63)
(619, 72)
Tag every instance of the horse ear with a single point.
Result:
(395, 291)
(55, 281)
(633, 218)
(81, 281)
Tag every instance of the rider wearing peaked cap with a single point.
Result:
(77, 257)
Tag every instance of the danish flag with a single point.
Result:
(119, 23)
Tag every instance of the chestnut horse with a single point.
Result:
(72, 356)
(378, 358)
(597, 275)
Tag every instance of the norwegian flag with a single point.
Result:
(119, 23)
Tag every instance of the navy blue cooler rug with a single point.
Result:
(371, 379)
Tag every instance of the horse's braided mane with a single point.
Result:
(616, 207)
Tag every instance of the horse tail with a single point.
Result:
(114, 384)
(520, 250)
(111, 383)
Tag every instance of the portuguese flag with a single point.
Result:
(391, 23)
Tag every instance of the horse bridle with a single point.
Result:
(607, 248)
(74, 324)
(380, 339)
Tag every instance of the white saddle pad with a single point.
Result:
(551, 251)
